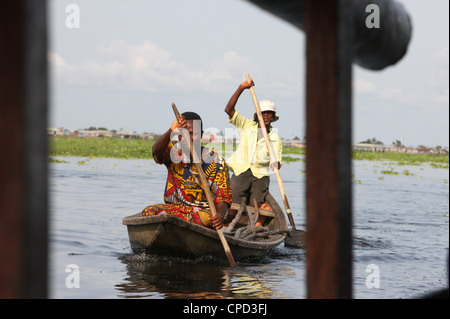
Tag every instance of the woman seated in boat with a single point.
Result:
(184, 196)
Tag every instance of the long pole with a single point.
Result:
(205, 187)
(273, 158)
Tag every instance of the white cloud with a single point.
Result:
(426, 86)
(148, 67)
(438, 77)
(227, 71)
(119, 65)
(56, 60)
(364, 86)
(442, 58)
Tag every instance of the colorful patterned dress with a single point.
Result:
(184, 196)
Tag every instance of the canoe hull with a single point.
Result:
(171, 236)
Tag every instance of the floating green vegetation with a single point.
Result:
(140, 148)
(121, 148)
(439, 165)
(82, 162)
(293, 150)
(408, 173)
(435, 160)
(288, 159)
(400, 159)
(389, 172)
(101, 147)
(357, 181)
(54, 160)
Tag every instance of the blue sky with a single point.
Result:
(129, 60)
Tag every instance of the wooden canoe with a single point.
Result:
(171, 236)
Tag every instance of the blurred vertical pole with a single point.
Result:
(23, 143)
(328, 150)
(11, 146)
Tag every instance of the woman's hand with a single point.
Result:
(217, 221)
(221, 209)
(175, 125)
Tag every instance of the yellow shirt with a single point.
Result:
(252, 151)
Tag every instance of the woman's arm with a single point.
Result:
(160, 145)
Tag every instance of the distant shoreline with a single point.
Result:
(142, 149)
(371, 145)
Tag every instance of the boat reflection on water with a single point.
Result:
(158, 277)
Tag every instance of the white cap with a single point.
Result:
(267, 105)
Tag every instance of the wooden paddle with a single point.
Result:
(297, 236)
(206, 189)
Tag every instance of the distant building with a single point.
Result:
(94, 133)
(296, 142)
(367, 147)
(61, 131)
(126, 134)
(419, 149)
(147, 136)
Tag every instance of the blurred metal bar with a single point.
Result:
(328, 150)
(23, 141)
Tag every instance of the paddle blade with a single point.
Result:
(296, 238)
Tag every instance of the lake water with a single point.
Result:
(400, 228)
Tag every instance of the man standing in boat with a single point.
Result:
(251, 161)
(184, 196)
